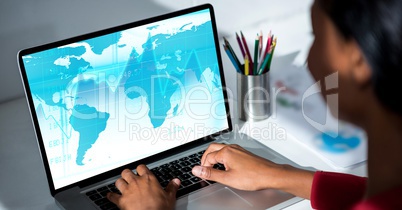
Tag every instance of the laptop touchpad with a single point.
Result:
(224, 198)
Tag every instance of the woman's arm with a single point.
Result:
(247, 171)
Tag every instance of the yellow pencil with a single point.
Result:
(246, 65)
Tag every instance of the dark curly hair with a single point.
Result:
(376, 25)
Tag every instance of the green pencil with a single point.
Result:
(255, 64)
(264, 64)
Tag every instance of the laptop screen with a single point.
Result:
(118, 96)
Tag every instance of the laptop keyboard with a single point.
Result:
(180, 168)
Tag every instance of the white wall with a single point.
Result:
(26, 23)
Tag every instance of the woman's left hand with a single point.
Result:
(143, 191)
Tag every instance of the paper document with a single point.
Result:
(300, 114)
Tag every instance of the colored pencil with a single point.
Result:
(246, 65)
(263, 55)
(272, 54)
(232, 51)
(271, 40)
(240, 45)
(264, 65)
(260, 45)
(268, 44)
(246, 47)
(255, 64)
(232, 58)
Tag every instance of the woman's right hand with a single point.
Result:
(246, 171)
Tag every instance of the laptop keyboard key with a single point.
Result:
(95, 197)
(164, 171)
(186, 169)
(102, 189)
(175, 167)
(185, 163)
(177, 173)
(104, 193)
(200, 154)
(164, 166)
(184, 177)
(91, 193)
(194, 160)
(186, 183)
(160, 179)
(184, 159)
(157, 173)
(195, 179)
(167, 177)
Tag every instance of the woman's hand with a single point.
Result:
(247, 171)
(143, 191)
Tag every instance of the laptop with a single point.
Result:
(149, 92)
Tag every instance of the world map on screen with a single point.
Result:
(75, 86)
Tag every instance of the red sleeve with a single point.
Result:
(336, 191)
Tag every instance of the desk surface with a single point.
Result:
(23, 177)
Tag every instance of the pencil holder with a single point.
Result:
(253, 97)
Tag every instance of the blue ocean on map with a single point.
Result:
(74, 86)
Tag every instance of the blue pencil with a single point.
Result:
(237, 67)
(232, 51)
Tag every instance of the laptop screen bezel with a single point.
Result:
(133, 165)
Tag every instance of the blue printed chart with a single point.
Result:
(104, 102)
